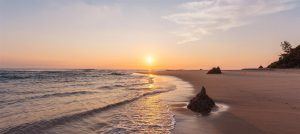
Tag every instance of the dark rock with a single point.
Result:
(260, 67)
(215, 70)
(201, 103)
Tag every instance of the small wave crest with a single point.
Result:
(124, 85)
(10, 102)
(118, 73)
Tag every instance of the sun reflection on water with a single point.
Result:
(154, 116)
(151, 114)
(151, 85)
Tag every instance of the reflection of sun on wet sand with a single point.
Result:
(260, 101)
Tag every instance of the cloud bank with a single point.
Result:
(209, 16)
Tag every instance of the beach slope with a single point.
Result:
(260, 101)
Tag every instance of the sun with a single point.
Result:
(149, 60)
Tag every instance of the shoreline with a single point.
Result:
(257, 101)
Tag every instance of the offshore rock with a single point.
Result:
(215, 70)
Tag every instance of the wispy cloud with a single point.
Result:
(80, 13)
(209, 16)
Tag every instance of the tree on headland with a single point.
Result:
(289, 59)
(286, 46)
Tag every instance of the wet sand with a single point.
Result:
(260, 101)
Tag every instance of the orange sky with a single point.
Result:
(120, 35)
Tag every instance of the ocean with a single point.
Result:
(86, 101)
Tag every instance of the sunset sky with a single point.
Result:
(123, 34)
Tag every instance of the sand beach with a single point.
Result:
(259, 101)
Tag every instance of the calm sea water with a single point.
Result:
(84, 101)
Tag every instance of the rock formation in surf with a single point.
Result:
(215, 70)
(201, 103)
(260, 67)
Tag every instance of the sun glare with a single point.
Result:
(149, 60)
